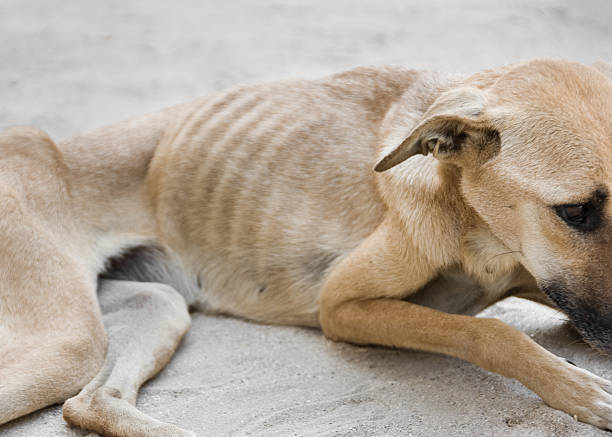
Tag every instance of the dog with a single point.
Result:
(384, 205)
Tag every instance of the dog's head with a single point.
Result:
(534, 144)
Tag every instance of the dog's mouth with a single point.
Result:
(594, 323)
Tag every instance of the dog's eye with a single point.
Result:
(582, 217)
(573, 213)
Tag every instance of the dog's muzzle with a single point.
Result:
(593, 321)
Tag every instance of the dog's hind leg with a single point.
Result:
(52, 339)
(145, 322)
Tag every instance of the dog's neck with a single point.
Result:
(423, 184)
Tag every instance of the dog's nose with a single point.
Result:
(595, 325)
(592, 318)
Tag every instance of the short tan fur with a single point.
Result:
(384, 205)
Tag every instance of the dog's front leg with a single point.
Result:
(361, 304)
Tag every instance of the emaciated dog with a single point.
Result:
(385, 205)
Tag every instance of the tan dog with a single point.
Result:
(261, 202)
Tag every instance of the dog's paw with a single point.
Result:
(104, 412)
(583, 395)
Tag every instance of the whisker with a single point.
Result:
(501, 254)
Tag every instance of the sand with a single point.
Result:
(74, 65)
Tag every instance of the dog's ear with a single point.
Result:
(442, 130)
(604, 67)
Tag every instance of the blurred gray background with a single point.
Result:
(74, 65)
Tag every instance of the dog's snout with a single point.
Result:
(591, 317)
(595, 325)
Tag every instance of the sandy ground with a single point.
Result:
(73, 65)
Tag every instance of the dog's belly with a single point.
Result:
(286, 293)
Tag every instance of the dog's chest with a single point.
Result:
(487, 273)
(454, 291)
